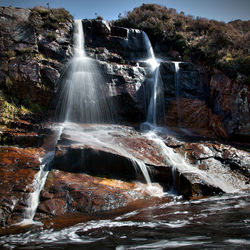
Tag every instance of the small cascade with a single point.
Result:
(217, 177)
(177, 92)
(102, 137)
(37, 185)
(82, 95)
(39, 182)
(156, 105)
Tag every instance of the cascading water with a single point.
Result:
(82, 94)
(156, 105)
(37, 185)
(39, 182)
(105, 137)
(177, 91)
(175, 160)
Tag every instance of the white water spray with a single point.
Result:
(82, 96)
(37, 186)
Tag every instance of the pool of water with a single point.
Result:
(157, 223)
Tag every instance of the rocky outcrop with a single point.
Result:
(221, 104)
(130, 44)
(208, 103)
(230, 101)
(35, 44)
(122, 153)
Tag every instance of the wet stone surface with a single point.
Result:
(66, 193)
(18, 167)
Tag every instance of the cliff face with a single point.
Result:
(209, 103)
(35, 44)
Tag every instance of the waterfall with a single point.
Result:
(175, 160)
(82, 95)
(37, 185)
(177, 92)
(156, 105)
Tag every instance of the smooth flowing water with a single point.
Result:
(37, 185)
(106, 137)
(217, 175)
(82, 92)
(177, 91)
(156, 105)
(39, 181)
(170, 223)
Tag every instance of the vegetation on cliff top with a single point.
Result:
(213, 43)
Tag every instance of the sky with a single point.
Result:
(222, 10)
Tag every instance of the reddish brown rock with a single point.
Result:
(66, 193)
(195, 115)
(17, 169)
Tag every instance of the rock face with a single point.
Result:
(35, 44)
(221, 104)
(205, 103)
(130, 44)
(122, 153)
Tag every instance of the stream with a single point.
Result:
(166, 223)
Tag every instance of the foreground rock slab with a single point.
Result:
(200, 168)
(67, 193)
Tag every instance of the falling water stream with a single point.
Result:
(177, 92)
(39, 182)
(82, 92)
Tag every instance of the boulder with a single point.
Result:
(67, 193)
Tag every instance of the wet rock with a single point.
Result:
(126, 90)
(196, 116)
(129, 43)
(231, 164)
(230, 100)
(187, 167)
(66, 193)
(49, 76)
(27, 78)
(188, 82)
(77, 153)
(96, 32)
(17, 168)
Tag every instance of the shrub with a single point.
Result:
(50, 18)
(10, 53)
